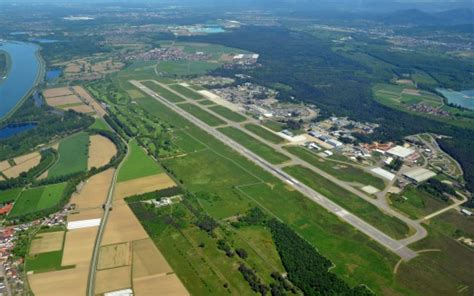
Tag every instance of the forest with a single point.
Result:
(339, 85)
(3, 64)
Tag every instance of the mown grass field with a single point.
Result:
(227, 113)
(201, 114)
(417, 203)
(73, 155)
(264, 133)
(138, 164)
(37, 199)
(163, 92)
(363, 209)
(254, 145)
(45, 262)
(100, 124)
(9, 195)
(241, 185)
(341, 171)
(206, 102)
(188, 93)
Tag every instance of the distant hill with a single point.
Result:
(418, 17)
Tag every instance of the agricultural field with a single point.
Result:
(46, 251)
(403, 97)
(138, 164)
(188, 93)
(341, 171)
(163, 92)
(20, 164)
(416, 203)
(101, 151)
(227, 113)
(363, 209)
(73, 156)
(94, 192)
(256, 146)
(264, 133)
(9, 195)
(37, 199)
(201, 114)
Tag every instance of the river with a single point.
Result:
(25, 71)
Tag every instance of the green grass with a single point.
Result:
(229, 114)
(189, 93)
(202, 115)
(37, 199)
(341, 171)
(273, 125)
(390, 225)
(45, 262)
(185, 68)
(9, 195)
(73, 155)
(206, 102)
(264, 133)
(186, 142)
(254, 145)
(163, 92)
(100, 124)
(417, 203)
(138, 164)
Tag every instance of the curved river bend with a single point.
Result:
(26, 70)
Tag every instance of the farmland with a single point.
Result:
(138, 164)
(9, 195)
(256, 146)
(264, 133)
(344, 172)
(227, 113)
(37, 199)
(73, 155)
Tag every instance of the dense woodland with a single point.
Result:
(338, 85)
(3, 64)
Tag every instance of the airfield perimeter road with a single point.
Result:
(393, 245)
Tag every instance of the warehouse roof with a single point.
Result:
(419, 174)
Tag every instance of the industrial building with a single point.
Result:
(400, 152)
(418, 175)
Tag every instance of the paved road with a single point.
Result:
(400, 249)
(100, 233)
(381, 203)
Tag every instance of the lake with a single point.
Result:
(206, 29)
(13, 129)
(24, 72)
(53, 74)
(464, 98)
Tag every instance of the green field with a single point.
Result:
(163, 92)
(201, 114)
(254, 145)
(229, 114)
(37, 199)
(100, 124)
(273, 125)
(416, 203)
(341, 171)
(9, 195)
(137, 164)
(73, 155)
(264, 133)
(363, 209)
(191, 94)
(45, 262)
(206, 102)
(185, 68)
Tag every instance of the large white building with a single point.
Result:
(400, 151)
(419, 175)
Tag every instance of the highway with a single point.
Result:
(391, 244)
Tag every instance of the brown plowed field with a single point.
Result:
(47, 242)
(101, 151)
(143, 185)
(94, 192)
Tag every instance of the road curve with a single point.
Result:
(393, 245)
